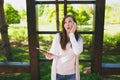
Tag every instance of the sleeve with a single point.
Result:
(55, 43)
(76, 45)
(54, 46)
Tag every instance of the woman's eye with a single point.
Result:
(70, 21)
(65, 23)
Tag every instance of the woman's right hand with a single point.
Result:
(47, 54)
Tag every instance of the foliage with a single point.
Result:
(18, 33)
(20, 54)
(12, 15)
(107, 58)
(71, 10)
(111, 42)
(92, 76)
(82, 15)
(23, 14)
(15, 77)
(112, 14)
(117, 38)
(46, 72)
(48, 14)
(41, 9)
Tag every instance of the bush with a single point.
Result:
(18, 33)
(111, 42)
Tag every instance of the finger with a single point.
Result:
(49, 55)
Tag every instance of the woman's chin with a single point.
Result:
(68, 30)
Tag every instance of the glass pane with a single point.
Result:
(87, 52)
(46, 38)
(111, 44)
(46, 14)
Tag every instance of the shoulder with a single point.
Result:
(57, 36)
(80, 37)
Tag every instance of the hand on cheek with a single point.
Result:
(73, 28)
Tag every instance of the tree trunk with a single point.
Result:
(4, 33)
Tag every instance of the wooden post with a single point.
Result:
(4, 33)
(32, 39)
(57, 16)
(65, 7)
(98, 36)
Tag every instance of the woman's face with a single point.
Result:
(68, 24)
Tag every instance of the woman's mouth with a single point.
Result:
(68, 28)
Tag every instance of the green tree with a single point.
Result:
(71, 10)
(48, 14)
(12, 15)
(23, 14)
(41, 9)
(44, 13)
(82, 15)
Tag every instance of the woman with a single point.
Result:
(65, 50)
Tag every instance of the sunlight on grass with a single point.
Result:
(48, 27)
(112, 29)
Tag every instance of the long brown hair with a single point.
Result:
(64, 40)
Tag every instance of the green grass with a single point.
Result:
(16, 76)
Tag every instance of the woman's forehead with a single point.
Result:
(68, 18)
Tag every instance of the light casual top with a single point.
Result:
(66, 61)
